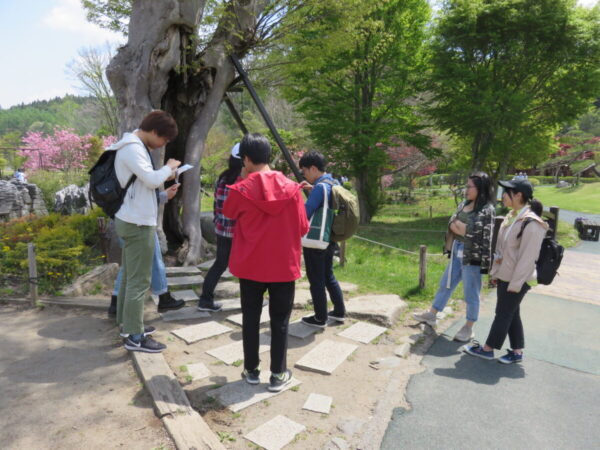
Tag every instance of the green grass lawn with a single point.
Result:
(583, 198)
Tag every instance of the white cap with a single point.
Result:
(235, 151)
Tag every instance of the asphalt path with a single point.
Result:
(550, 401)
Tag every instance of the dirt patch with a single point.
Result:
(66, 382)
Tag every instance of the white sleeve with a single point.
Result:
(138, 163)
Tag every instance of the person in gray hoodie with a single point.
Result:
(136, 221)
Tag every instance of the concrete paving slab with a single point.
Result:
(326, 357)
(276, 433)
(302, 297)
(403, 350)
(301, 331)
(237, 318)
(185, 313)
(233, 352)
(227, 289)
(195, 333)
(230, 304)
(382, 309)
(182, 270)
(188, 295)
(239, 394)
(344, 286)
(318, 403)
(185, 281)
(198, 371)
(206, 264)
(362, 332)
(390, 362)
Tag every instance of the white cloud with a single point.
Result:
(69, 16)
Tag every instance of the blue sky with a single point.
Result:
(38, 38)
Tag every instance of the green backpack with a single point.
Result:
(347, 212)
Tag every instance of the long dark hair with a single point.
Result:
(481, 180)
(232, 172)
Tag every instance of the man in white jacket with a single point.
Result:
(135, 222)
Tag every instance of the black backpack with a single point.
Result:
(105, 189)
(548, 262)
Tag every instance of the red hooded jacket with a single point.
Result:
(270, 222)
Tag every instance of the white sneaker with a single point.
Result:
(465, 334)
(428, 317)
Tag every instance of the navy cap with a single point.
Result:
(522, 186)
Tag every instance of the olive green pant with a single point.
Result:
(138, 250)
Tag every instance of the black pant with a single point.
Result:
(281, 301)
(319, 271)
(217, 269)
(508, 318)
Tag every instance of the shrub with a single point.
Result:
(50, 182)
(66, 247)
(534, 181)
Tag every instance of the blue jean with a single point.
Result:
(158, 285)
(471, 278)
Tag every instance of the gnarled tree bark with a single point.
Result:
(162, 67)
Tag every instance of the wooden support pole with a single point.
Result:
(33, 281)
(430, 212)
(422, 266)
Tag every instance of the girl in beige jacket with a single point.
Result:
(517, 249)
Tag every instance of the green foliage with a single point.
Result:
(66, 247)
(351, 64)
(507, 73)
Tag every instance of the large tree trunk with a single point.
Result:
(160, 68)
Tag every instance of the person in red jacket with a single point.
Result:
(265, 253)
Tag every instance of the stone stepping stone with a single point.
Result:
(195, 333)
(239, 394)
(233, 352)
(185, 313)
(362, 332)
(301, 331)
(198, 371)
(276, 433)
(227, 289)
(237, 318)
(344, 285)
(326, 356)
(206, 265)
(234, 304)
(183, 270)
(302, 297)
(382, 309)
(185, 281)
(318, 403)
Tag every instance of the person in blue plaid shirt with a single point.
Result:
(223, 230)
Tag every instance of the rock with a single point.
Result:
(383, 309)
(340, 443)
(562, 184)
(385, 363)
(100, 278)
(403, 350)
(72, 200)
(448, 310)
(207, 226)
(351, 426)
(20, 199)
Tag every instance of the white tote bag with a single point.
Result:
(320, 226)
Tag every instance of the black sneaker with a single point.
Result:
(279, 381)
(251, 376)
(313, 322)
(146, 344)
(209, 306)
(112, 309)
(166, 302)
(147, 331)
(336, 317)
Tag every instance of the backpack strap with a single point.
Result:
(525, 222)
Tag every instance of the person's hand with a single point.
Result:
(494, 281)
(172, 191)
(173, 176)
(173, 163)
(306, 186)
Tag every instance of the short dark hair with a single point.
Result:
(162, 123)
(313, 159)
(256, 147)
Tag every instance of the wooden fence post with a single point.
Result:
(422, 266)
(430, 212)
(33, 281)
(343, 253)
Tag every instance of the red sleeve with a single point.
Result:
(304, 225)
(231, 207)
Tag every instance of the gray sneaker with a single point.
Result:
(465, 334)
(428, 317)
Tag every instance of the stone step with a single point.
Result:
(206, 265)
(188, 295)
(193, 280)
(362, 332)
(187, 313)
(344, 285)
(183, 270)
(200, 331)
(382, 309)
(276, 433)
(326, 357)
(233, 352)
(227, 289)
(237, 318)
